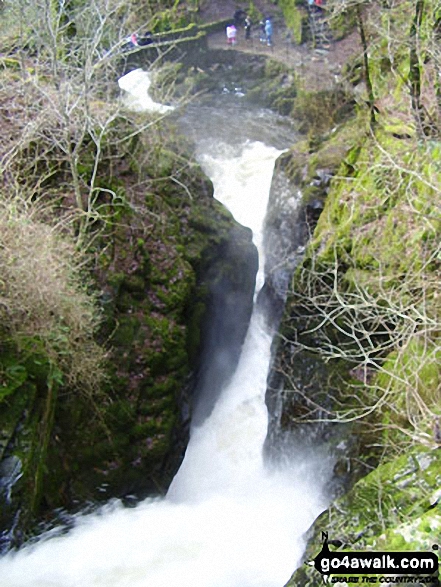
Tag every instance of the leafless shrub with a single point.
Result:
(45, 305)
(376, 305)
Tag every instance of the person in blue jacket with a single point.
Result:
(269, 32)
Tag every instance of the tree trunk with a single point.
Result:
(370, 91)
(415, 70)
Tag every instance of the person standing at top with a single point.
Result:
(262, 31)
(239, 18)
(132, 40)
(231, 34)
(247, 26)
(269, 32)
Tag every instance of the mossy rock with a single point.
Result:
(28, 407)
(276, 87)
(410, 409)
(156, 270)
(404, 491)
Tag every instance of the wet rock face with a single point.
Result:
(293, 376)
(230, 281)
(289, 224)
(286, 233)
(10, 473)
(302, 388)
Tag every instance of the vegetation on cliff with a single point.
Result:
(366, 298)
(109, 230)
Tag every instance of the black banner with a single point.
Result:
(374, 563)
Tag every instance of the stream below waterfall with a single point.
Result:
(229, 519)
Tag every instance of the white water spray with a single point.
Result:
(242, 182)
(136, 85)
(228, 520)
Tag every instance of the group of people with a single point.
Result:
(315, 5)
(242, 19)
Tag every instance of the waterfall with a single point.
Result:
(242, 181)
(229, 519)
(136, 86)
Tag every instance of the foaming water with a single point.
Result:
(228, 520)
(136, 85)
(225, 453)
(242, 179)
(248, 538)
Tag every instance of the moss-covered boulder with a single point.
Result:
(397, 507)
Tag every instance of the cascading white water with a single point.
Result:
(242, 182)
(228, 520)
(136, 85)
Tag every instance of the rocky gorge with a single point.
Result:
(352, 278)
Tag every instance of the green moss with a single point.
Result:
(373, 215)
(10, 63)
(343, 24)
(135, 284)
(30, 382)
(414, 403)
(296, 18)
(126, 332)
(389, 509)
